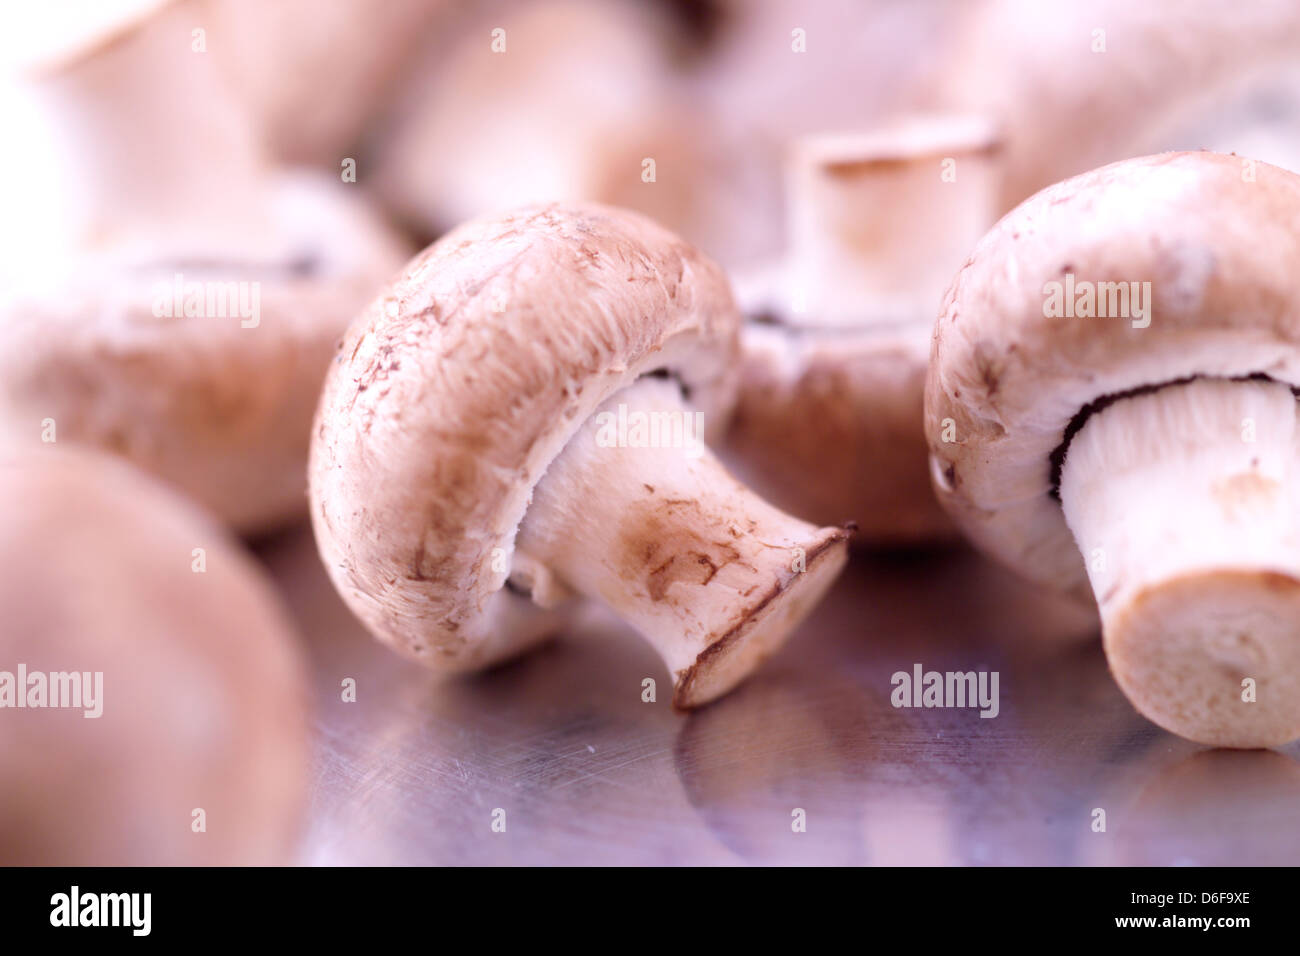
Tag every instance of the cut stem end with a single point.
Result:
(1185, 506)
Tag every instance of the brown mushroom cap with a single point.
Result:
(465, 378)
(204, 697)
(1215, 237)
(218, 410)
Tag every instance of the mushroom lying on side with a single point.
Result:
(178, 683)
(1112, 399)
(185, 300)
(522, 411)
(829, 420)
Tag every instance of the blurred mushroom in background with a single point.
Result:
(1080, 84)
(837, 338)
(314, 76)
(171, 295)
(681, 111)
(537, 102)
(155, 704)
(774, 71)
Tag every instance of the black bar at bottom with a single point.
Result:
(332, 906)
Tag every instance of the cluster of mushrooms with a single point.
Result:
(445, 420)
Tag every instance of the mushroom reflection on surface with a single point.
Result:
(775, 769)
(1213, 808)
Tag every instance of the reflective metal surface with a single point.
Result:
(586, 773)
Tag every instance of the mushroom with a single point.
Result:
(520, 413)
(772, 71)
(829, 421)
(1150, 452)
(788, 68)
(1138, 77)
(147, 672)
(554, 100)
(283, 55)
(183, 305)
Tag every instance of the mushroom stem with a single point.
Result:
(144, 128)
(637, 512)
(879, 222)
(1183, 502)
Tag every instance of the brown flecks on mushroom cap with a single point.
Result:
(498, 342)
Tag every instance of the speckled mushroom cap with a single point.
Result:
(218, 406)
(1214, 234)
(465, 378)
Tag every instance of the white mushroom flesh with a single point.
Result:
(879, 222)
(636, 512)
(1185, 504)
(157, 151)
